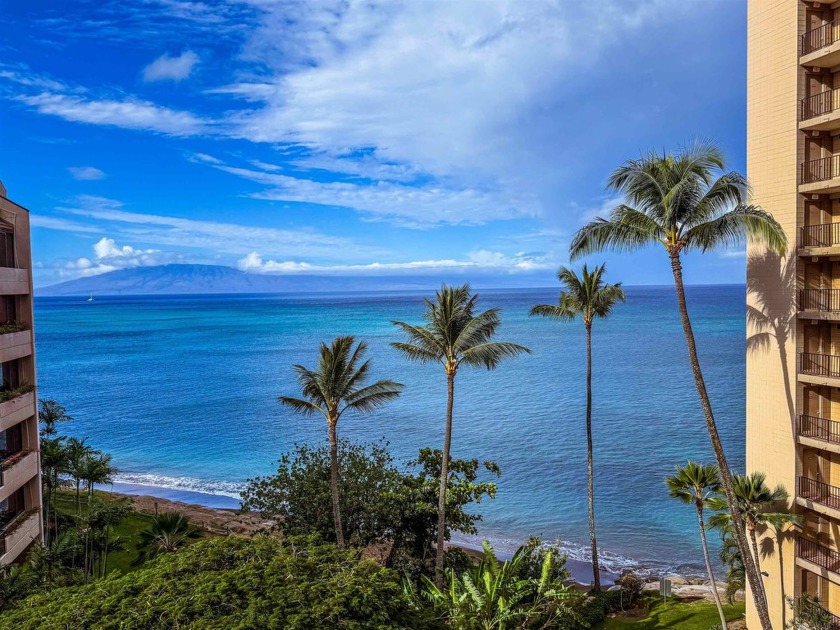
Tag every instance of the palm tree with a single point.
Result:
(167, 534)
(53, 464)
(336, 386)
(586, 297)
(49, 415)
(96, 469)
(759, 505)
(77, 454)
(453, 336)
(697, 483)
(686, 202)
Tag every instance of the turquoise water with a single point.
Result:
(182, 391)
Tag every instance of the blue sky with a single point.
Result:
(353, 137)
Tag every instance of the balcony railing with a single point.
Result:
(816, 611)
(820, 37)
(818, 554)
(819, 492)
(11, 526)
(820, 170)
(822, 235)
(819, 104)
(819, 364)
(819, 428)
(819, 299)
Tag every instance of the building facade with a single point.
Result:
(793, 328)
(20, 481)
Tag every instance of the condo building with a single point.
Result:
(20, 483)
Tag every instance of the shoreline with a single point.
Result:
(205, 504)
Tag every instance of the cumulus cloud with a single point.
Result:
(86, 173)
(172, 68)
(478, 261)
(108, 256)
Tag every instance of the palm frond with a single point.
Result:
(300, 406)
(614, 235)
(490, 354)
(373, 396)
(553, 311)
(734, 226)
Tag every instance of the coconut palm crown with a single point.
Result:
(586, 296)
(335, 386)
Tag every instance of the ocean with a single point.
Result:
(182, 390)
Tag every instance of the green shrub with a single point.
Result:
(233, 584)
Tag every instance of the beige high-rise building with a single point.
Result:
(793, 349)
(20, 482)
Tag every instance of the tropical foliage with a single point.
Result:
(454, 335)
(586, 297)
(334, 387)
(685, 202)
(233, 582)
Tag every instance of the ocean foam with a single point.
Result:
(223, 488)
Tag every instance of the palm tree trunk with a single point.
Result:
(47, 495)
(753, 577)
(711, 573)
(754, 543)
(339, 531)
(444, 480)
(590, 480)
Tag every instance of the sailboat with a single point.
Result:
(90, 299)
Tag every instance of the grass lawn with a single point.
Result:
(699, 615)
(127, 530)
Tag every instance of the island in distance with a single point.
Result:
(177, 279)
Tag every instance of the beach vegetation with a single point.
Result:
(453, 336)
(495, 595)
(698, 484)
(382, 503)
(167, 533)
(671, 613)
(586, 297)
(687, 202)
(235, 582)
(337, 386)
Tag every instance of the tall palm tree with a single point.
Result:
(686, 202)
(760, 506)
(96, 469)
(168, 533)
(334, 387)
(78, 452)
(49, 415)
(53, 464)
(453, 336)
(586, 297)
(698, 483)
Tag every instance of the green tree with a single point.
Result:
(760, 506)
(495, 595)
(167, 534)
(687, 202)
(454, 336)
(696, 484)
(96, 468)
(234, 582)
(334, 387)
(54, 463)
(49, 415)
(78, 452)
(586, 297)
(380, 502)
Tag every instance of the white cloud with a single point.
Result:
(405, 205)
(108, 256)
(128, 114)
(170, 68)
(212, 236)
(477, 261)
(86, 173)
(63, 225)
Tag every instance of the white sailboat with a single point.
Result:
(90, 299)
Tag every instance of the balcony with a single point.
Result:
(819, 369)
(819, 612)
(820, 240)
(820, 112)
(820, 176)
(16, 409)
(14, 281)
(14, 344)
(17, 470)
(818, 559)
(20, 532)
(818, 433)
(818, 496)
(819, 304)
(820, 47)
